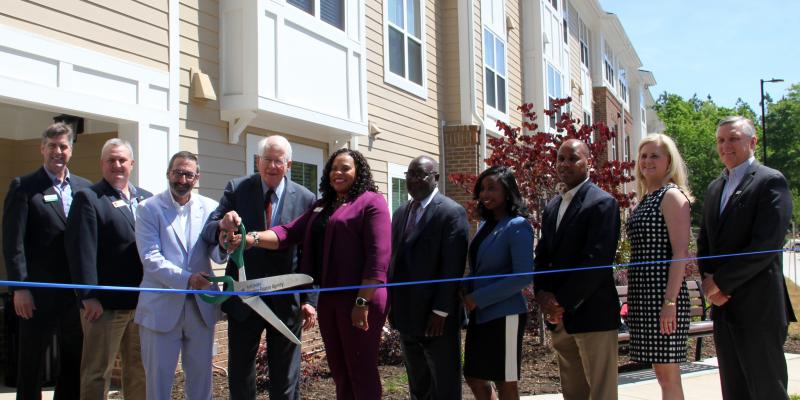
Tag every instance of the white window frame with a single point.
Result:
(399, 81)
(316, 14)
(609, 69)
(494, 110)
(558, 87)
(583, 39)
(394, 171)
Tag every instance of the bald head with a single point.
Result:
(422, 177)
(579, 145)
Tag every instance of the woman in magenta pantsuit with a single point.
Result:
(346, 241)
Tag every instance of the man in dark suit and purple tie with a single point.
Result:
(747, 209)
(429, 241)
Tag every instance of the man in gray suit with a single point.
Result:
(747, 209)
(429, 241)
(263, 200)
(168, 227)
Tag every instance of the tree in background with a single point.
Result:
(783, 141)
(692, 124)
(532, 156)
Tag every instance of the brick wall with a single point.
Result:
(461, 156)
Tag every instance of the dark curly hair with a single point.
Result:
(515, 206)
(363, 182)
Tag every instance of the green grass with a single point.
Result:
(794, 397)
(794, 327)
(398, 384)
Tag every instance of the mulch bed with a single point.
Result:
(539, 373)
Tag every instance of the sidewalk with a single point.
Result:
(696, 386)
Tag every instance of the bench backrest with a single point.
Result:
(697, 302)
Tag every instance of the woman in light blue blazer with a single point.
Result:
(498, 310)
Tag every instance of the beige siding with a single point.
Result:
(575, 68)
(136, 31)
(479, 69)
(514, 62)
(201, 130)
(409, 124)
(448, 67)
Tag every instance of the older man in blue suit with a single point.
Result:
(175, 256)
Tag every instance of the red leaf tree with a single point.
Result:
(533, 156)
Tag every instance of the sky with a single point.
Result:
(715, 47)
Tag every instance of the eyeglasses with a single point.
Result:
(418, 175)
(190, 176)
(275, 162)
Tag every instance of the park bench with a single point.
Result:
(700, 325)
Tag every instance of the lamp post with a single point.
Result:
(763, 120)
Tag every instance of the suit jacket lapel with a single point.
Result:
(487, 242)
(286, 202)
(197, 221)
(49, 190)
(572, 210)
(746, 180)
(58, 208)
(170, 214)
(114, 196)
(427, 214)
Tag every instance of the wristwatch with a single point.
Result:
(361, 302)
(669, 302)
(255, 237)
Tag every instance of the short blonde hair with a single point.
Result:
(676, 171)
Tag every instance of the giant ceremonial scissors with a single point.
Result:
(261, 285)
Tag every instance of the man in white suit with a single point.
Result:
(174, 256)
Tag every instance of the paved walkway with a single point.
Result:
(696, 386)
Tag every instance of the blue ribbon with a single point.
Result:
(356, 287)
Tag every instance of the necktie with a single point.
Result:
(268, 208)
(411, 223)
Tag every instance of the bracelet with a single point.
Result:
(254, 235)
(669, 302)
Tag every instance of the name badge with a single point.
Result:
(318, 209)
(119, 203)
(49, 198)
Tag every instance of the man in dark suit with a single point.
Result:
(429, 241)
(101, 249)
(263, 200)
(747, 209)
(580, 228)
(34, 218)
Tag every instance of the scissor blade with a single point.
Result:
(273, 283)
(263, 310)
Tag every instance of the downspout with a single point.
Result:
(475, 116)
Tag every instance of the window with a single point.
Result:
(398, 193)
(615, 144)
(329, 11)
(553, 92)
(608, 67)
(494, 59)
(626, 149)
(583, 36)
(554, 3)
(623, 86)
(305, 174)
(565, 31)
(587, 120)
(405, 48)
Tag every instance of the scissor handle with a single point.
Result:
(217, 298)
(238, 258)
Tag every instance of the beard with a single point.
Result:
(180, 189)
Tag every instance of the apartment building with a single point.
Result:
(391, 78)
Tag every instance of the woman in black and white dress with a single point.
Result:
(658, 229)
